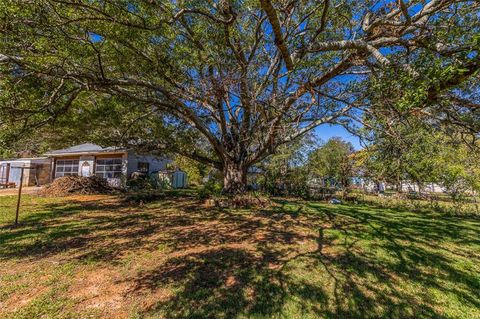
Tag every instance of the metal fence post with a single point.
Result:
(19, 196)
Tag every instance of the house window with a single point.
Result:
(66, 168)
(109, 168)
(143, 167)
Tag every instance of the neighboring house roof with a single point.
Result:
(87, 148)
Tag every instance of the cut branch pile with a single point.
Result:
(240, 201)
(72, 185)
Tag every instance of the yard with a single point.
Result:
(97, 256)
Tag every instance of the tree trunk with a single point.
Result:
(234, 178)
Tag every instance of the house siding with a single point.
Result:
(156, 163)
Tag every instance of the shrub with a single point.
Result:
(209, 190)
(143, 196)
(143, 182)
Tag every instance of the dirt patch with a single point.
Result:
(100, 290)
(30, 190)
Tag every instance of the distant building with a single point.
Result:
(36, 171)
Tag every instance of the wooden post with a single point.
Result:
(19, 196)
(7, 175)
(54, 168)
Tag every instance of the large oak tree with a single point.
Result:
(248, 76)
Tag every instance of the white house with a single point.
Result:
(112, 163)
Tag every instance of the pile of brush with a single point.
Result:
(77, 185)
(247, 200)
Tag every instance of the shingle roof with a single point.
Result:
(85, 148)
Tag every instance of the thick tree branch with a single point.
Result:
(277, 31)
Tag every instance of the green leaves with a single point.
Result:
(333, 161)
(411, 150)
(216, 71)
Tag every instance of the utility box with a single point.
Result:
(170, 179)
(179, 179)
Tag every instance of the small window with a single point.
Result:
(143, 167)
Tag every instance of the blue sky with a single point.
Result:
(327, 131)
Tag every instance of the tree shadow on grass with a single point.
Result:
(420, 247)
(218, 283)
(266, 280)
(71, 226)
(236, 283)
(97, 231)
(317, 261)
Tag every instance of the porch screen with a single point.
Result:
(109, 168)
(66, 168)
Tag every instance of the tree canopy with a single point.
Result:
(228, 82)
(422, 154)
(333, 161)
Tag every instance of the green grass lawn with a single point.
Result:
(97, 257)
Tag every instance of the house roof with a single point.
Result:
(23, 159)
(87, 148)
